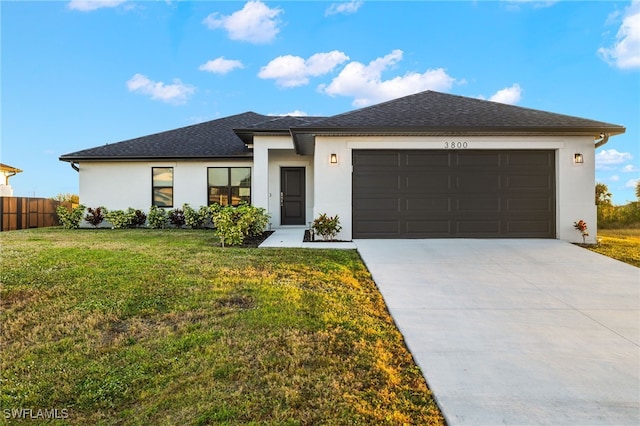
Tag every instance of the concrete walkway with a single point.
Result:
(516, 332)
(292, 236)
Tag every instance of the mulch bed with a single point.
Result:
(307, 239)
(255, 241)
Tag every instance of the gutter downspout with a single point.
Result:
(605, 139)
(74, 166)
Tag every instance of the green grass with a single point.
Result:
(620, 244)
(165, 327)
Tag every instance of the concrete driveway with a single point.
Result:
(516, 332)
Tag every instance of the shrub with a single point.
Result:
(126, 219)
(326, 226)
(234, 224)
(95, 216)
(70, 219)
(157, 217)
(196, 218)
(260, 219)
(140, 218)
(176, 217)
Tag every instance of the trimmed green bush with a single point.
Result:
(234, 224)
(196, 218)
(157, 217)
(124, 218)
(70, 219)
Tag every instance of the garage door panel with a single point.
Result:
(444, 194)
(422, 159)
(377, 228)
(540, 204)
(440, 205)
(381, 204)
(528, 182)
(377, 183)
(424, 228)
(377, 158)
(477, 227)
(475, 183)
(427, 182)
(478, 205)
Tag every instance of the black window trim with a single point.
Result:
(229, 186)
(153, 187)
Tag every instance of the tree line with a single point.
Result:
(612, 216)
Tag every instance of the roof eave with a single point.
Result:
(76, 159)
(595, 131)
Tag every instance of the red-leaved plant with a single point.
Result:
(581, 226)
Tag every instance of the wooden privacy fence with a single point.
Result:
(25, 212)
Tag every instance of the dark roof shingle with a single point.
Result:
(436, 111)
(212, 139)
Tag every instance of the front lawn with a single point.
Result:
(620, 244)
(165, 327)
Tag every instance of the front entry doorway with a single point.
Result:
(292, 196)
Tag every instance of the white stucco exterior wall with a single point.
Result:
(575, 183)
(120, 185)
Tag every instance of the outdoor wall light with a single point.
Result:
(334, 159)
(578, 158)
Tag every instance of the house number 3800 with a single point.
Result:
(455, 145)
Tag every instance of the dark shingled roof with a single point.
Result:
(283, 123)
(274, 125)
(426, 113)
(434, 111)
(212, 139)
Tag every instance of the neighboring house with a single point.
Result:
(6, 172)
(428, 165)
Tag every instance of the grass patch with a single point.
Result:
(166, 327)
(620, 244)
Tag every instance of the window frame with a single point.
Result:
(155, 187)
(229, 187)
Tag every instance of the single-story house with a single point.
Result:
(7, 171)
(428, 165)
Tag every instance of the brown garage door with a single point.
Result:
(448, 194)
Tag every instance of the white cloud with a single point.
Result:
(221, 65)
(509, 95)
(295, 113)
(514, 4)
(343, 8)
(611, 157)
(631, 183)
(292, 71)
(176, 93)
(89, 5)
(625, 52)
(365, 84)
(630, 168)
(255, 23)
(614, 178)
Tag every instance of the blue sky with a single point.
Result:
(79, 74)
